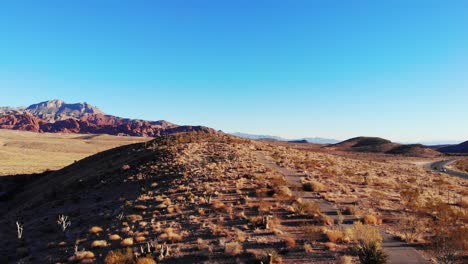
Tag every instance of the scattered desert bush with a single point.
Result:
(290, 242)
(95, 230)
(313, 186)
(346, 260)
(274, 258)
(282, 192)
(308, 248)
(99, 243)
(264, 206)
(335, 236)
(233, 248)
(169, 235)
(119, 257)
(371, 254)
(350, 210)
(412, 227)
(313, 233)
(324, 219)
(364, 234)
(370, 220)
(114, 237)
(306, 207)
(82, 256)
(330, 246)
(410, 196)
(127, 242)
(218, 205)
(145, 260)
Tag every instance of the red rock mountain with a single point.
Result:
(56, 116)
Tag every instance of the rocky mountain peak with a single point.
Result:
(57, 110)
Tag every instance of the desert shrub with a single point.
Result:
(278, 181)
(323, 219)
(306, 207)
(290, 242)
(119, 257)
(99, 243)
(312, 233)
(233, 248)
(282, 192)
(218, 205)
(114, 237)
(308, 248)
(346, 260)
(264, 206)
(95, 230)
(274, 258)
(313, 186)
(370, 220)
(169, 235)
(350, 210)
(364, 234)
(371, 254)
(127, 242)
(145, 260)
(335, 236)
(412, 227)
(330, 246)
(410, 197)
(262, 192)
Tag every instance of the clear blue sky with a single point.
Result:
(329, 68)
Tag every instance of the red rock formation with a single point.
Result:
(95, 124)
(25, 122)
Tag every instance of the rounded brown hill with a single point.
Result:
(384, 146)
(364, 144)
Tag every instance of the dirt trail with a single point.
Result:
(399, 252)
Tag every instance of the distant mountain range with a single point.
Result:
(315, 140)
(56, 116)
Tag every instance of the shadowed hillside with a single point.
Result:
(460, 148)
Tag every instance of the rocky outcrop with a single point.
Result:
(55, 116)
(25, 122)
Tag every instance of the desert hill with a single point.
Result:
(56, 116)
(380, 145)
(460, 148)
(207, 198)
(175, 194)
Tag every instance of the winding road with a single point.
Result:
(440, 166)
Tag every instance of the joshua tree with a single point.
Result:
(19, 228)
(63, 222)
